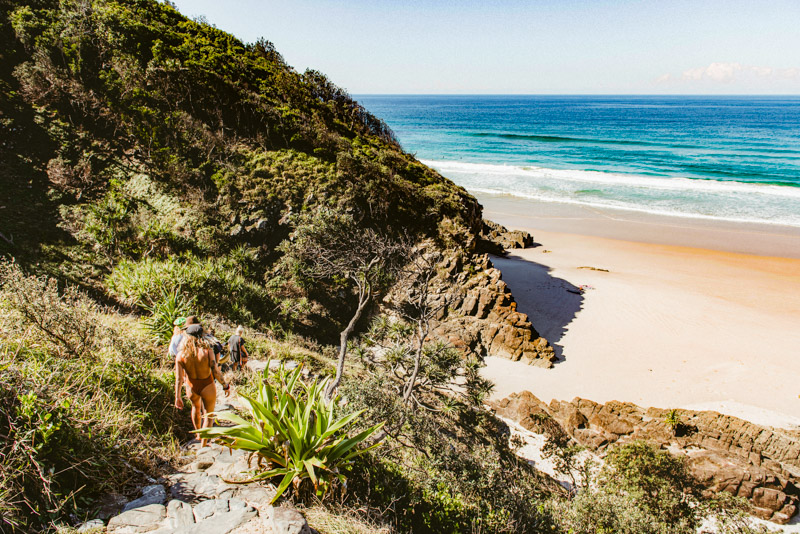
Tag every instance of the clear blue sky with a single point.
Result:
(528, 46)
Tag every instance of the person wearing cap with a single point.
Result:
(197, 368)
(177, 334)
(179, 325)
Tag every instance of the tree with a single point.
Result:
(327, 245)
(401, 348)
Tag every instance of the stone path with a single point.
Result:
(197, 500)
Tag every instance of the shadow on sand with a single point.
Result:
(551, 303)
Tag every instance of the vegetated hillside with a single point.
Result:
(131, 135)
(158, 162)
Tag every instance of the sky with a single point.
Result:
(528, 46)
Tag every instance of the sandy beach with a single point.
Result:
(679, 313)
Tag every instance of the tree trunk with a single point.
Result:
(343, 337)
(417, 360)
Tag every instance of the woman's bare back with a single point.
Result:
(197, 365)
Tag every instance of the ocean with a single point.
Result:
(734, 158)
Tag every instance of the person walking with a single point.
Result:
(237, 349)
(177, 336)
(197, 368)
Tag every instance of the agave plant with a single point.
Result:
(170, 305)
(296, 436)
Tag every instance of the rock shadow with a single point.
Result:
(551, 303)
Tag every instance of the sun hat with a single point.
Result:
(195, 330)
(180, 321)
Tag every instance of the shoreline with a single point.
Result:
(758, 239)
(667, 325)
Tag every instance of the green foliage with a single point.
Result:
(58, 319)
(659, 481)
(672, 419)
(295, 435)
(642, 490)
(565, 455)
(216, 285)
(164, 311)
(328, 245)
(74, 427)
(448, 468)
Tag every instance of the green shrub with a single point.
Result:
(295, 436)
(448, 468)
(74, 427)
(163, 312)
(643, 490)
(217, 285)
(59, 320)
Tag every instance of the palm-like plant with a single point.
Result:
(297, 436)
(170, 305)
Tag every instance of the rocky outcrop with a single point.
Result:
(482, 318)
(724, 453)
(496, 239)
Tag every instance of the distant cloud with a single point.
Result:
(730, 72)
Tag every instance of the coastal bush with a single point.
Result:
(295, 436)
(445, 468)
(643, 490)
(64, 322)
(329, 252)
(217, 285)
(164, 311)
(74, 427)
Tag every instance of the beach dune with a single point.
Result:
(656, 324)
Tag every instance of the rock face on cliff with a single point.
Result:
(724, 453)
(482, 318)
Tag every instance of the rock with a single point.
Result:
(204, 510)
(110, 505)
(495, 239)
(724, 453)
(144, 519)
(258, 497)
(179, 514)
(222, 506)
(194, 487)
(236, 504)
(200, 465)
(154, 494)
(89, 525)
(288, 521)
(220, 523)
(485, 319)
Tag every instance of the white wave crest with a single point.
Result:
(680, 197)
(608, 178)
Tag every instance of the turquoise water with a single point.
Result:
(731, 158)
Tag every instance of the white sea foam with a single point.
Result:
(681, 197)
(608, 178)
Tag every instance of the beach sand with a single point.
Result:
(669, 324)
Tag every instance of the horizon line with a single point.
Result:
(586, 94)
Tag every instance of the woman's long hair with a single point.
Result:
(192, 345)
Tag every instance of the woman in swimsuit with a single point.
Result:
(197, 367)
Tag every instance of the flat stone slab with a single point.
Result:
(220, 523)
(144, 519)
(205, 509)
(154, 494)
(195, 486)
(288, 521)
(179, 514)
